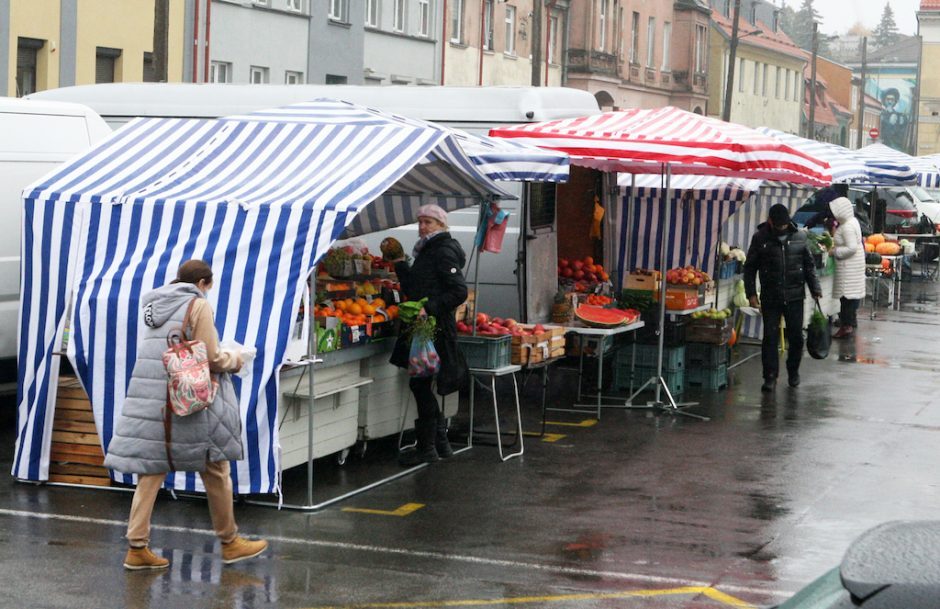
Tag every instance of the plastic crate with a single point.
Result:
(486, 352)
(675, 380)
(673, 357)
(728, 269)
(709, 379)
(706, 355)
(674, 334)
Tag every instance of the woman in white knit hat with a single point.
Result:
(435, 274)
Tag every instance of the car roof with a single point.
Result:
(897, 562)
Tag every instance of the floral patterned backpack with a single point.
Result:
(191, 386)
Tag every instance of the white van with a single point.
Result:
(36, 137)
(507, 289)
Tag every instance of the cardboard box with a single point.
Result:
(637, 281)
(682, 300)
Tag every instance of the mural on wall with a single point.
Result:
(896, 94)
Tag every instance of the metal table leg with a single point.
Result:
(499, 441)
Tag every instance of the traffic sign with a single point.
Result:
(874, 133)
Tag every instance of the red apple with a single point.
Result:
(588, 260)
(563, 262)
(578, 275)
(577, 265)
(509, 322)
(482, 318)
(567, 272)
(539, 328)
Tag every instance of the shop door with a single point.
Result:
(538, 279)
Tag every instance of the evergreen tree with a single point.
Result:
(788, 21)
(803, 26)
(886, 33)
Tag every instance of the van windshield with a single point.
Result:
(922, 194)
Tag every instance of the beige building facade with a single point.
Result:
(493, 43)
(928, 111)
(55, 43)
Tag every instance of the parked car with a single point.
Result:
(901, 213)
(892, 566)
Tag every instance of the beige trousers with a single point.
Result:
(218, 483)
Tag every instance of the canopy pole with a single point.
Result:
(670, 406)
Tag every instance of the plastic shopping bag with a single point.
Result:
(423, 360)
(491, 237)
(819, 334)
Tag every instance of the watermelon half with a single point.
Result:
(599, 317)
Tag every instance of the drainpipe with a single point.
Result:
(205, 67)
(196, 43)
(482, 37)
(443, 39)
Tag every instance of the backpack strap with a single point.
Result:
(168, 430)
(187, 323)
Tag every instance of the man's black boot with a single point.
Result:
(769, 385)
(793, 379)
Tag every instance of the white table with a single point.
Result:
(603, 334)
(493, 373)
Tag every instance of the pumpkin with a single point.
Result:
(876, 239)
(888, 248)
(869, 248)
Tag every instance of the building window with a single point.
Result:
(786, 80)
(552, 39)
(701, 49)
(620, 35)
(635, 38)
(105, 61)
(541, 204)
(398, 16)
(650, 41)
(424, 18)
(602, 39)
(456, 22)
(741, 67)
(777, 87)
(295, 5)
(339, 10)
(797, 81)
(667, 40)
(756, 78)
(293, 78)
(26, 51)
(372, 13)
(510, 30)
(488, 25)
(764, 80)
(258, 75)
(220, 71)
(753, 17)
(335, 79)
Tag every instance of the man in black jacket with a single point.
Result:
(778, 255)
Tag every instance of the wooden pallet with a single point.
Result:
(76, 456)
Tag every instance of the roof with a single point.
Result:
(906, 50)
(930, 5)
(768, 39)
(441, 104)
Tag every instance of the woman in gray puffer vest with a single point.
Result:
(202, 442)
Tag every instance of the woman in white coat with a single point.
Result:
(849, 252)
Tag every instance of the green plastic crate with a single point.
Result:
(706, 355)
(486, 352)
(709, 379)
(674, 358)
(675, 380)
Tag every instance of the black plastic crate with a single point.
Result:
(709, 379)
(706, 355)
(674, 334)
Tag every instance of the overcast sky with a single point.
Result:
(839, 15)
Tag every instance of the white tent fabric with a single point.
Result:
(688, 182)
(846, 165)
(927, 173)
(260, 200)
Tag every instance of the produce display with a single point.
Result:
(712, 314)
(599, 300)
(687, 275)
(878, 244)
(497, 326)
(731, 253)
(600, 317)
(584, 269)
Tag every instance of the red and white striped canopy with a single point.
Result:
(640, 141)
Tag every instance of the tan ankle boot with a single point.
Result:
(138, 559)
(242, 549)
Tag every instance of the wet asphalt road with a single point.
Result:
(633, 511)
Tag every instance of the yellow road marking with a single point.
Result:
(520, 600)
(584, 423)
(548, 437)
(401, 511)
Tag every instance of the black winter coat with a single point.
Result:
(437, 275)
(784, 268)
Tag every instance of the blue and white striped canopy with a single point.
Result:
(848, 165)
(924, 172)
(260, 200)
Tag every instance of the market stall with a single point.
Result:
(670, 141)
(262, 200)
